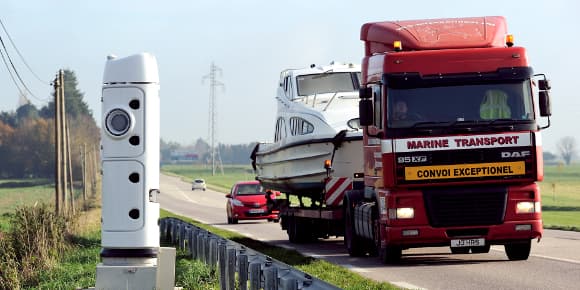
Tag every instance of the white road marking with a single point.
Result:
(406, 285)
(356, 269)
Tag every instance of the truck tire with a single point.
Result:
(464, 250)
(480, 250)
(518, 251)
(388, 254)
(355, 245)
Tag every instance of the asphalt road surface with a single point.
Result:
(554, 263)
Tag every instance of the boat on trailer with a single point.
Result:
(316, 122)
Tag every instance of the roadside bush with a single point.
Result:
(35, 239)
(8, 266)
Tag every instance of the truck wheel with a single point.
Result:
(518, 251)
(354, 244)
(480, 250)
(390, 254)
(464, 250)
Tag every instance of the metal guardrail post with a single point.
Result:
(270, 277)
(213, 253)
(222, 264)
(193, 243)
(255, 276)
(206, 239)
(200, 246)
(288, 283)
(230, 269)
(243, 270)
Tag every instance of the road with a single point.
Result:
(553, 264)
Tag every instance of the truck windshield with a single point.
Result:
(480, 103)
(327, 83)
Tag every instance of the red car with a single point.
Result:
(247, 201)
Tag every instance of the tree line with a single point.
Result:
(27, 142)
(237, 154)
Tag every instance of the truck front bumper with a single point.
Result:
(427, 236)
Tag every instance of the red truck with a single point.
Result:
(450, 112)
(452, 143)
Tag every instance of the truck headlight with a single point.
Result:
(525, 207)
(405, 213)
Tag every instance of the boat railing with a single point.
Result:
(310, 100)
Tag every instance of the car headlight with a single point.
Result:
(237, 202)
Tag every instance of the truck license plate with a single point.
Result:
(467, 243)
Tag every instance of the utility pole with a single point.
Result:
(213, 83)
(57, 147)
(64, 143)
(70, 175)
(84, 173)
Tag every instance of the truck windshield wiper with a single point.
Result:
(430, 124)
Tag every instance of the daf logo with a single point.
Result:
(515, 154)
(412, 159)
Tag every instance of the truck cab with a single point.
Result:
(452, 113)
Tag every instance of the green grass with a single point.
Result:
(10, 198)
(321, 269)
(77, 266)
(561, 197)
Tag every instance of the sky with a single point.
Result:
(252, 42)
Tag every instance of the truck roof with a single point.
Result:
(428, 34)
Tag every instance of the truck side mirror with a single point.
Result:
(544, 85)
(545, 105)
(365, 93)
(365, 109)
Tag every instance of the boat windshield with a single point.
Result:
(328, 82)
(450, 105)
(250, 189)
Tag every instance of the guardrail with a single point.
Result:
(255, 270)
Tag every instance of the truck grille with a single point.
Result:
(474, 206)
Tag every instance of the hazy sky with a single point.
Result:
(252, 41)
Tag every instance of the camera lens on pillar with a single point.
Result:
(118, 122)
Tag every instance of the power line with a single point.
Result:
(10, 73)
(20, 54)
(16, 71)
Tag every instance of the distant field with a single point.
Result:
(561, 196)
(21, 193)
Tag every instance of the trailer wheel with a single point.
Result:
(518, 251)
(296, 232)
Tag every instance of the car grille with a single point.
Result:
(253, 204)
(466, 206)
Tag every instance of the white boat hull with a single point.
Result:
(298, 168)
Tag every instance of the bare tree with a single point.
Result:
(567, 148)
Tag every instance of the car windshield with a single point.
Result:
(478, 103)
(250, 189)
(199, 181)
(327, 83)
